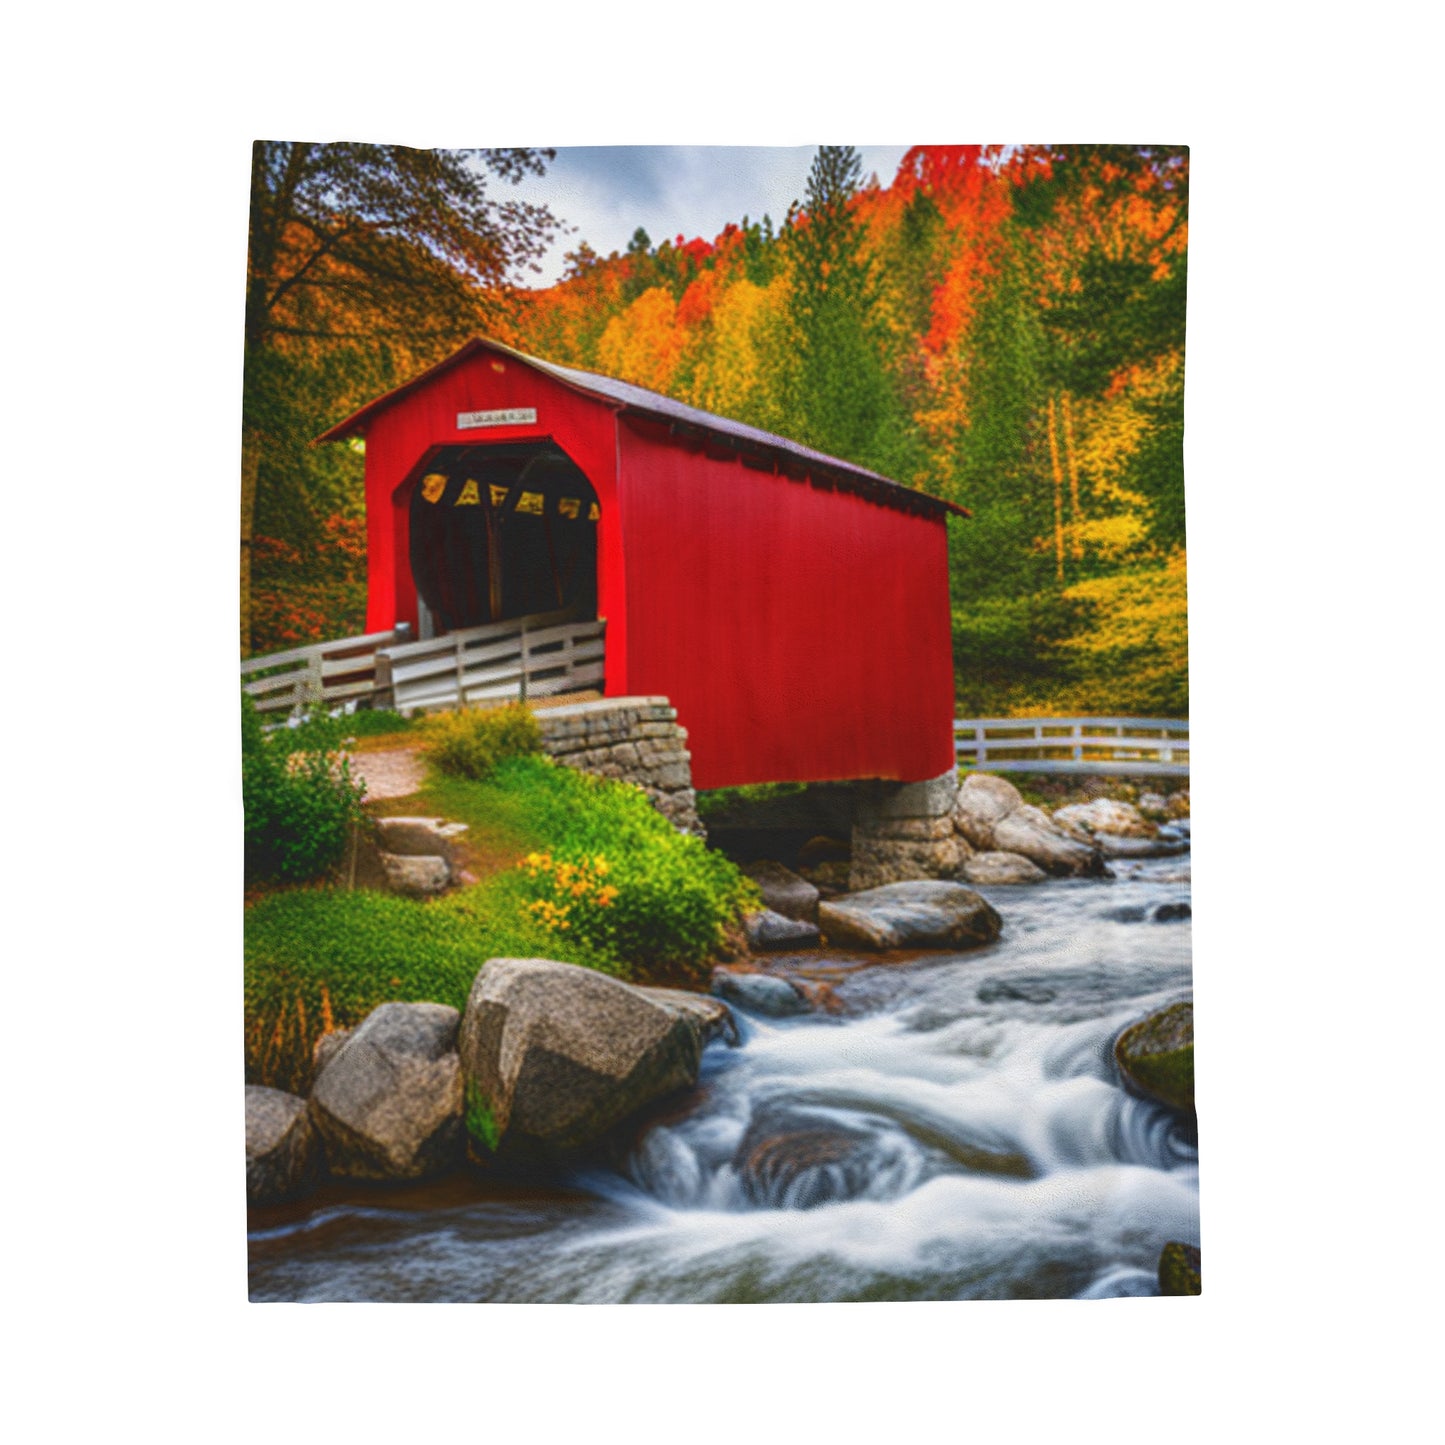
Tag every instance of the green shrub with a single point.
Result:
(299, 798)
(672, 898)
(370, 722)
(471, 742)
(317, 732)
(324, 958)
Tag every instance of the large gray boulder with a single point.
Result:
(983, 800)
(282, 1157)
(1103, 815)
(707, 1017)
(388, 1103)
(1118, 830)
(1002, 868)
(1027, 830)
(927, 913)
(555, 1055)
(326, 1047)
(992, 815)
(783, 890)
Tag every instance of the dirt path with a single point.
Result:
(389, 773)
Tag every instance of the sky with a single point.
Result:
(607, 192)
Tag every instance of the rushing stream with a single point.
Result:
(957, 1131)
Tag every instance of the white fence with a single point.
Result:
(1135, 746)
(324, 672)
(530, 657)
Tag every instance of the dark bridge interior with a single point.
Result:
(504, 531)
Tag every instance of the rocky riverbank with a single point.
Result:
(946, 1124)
(547, 1059)
(989, 837)
(560, 1101)
(544, 1061)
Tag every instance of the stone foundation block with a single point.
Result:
(932, 798)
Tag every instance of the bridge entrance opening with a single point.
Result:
(504, 531)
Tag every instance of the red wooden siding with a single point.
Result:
(801, 631)
(801, 634)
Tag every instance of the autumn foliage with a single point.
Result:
(1003, 327)
(999, 326)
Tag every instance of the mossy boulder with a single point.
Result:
(1156, 1057)
(1179, 1269)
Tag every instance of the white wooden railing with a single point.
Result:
(529, 657)
(322, 672)
(526, 658)
(1135, 746)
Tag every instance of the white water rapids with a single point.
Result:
(960, 1132)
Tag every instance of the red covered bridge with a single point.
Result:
(793, 607)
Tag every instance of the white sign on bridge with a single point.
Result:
(506, 416)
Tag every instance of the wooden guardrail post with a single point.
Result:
(522, 682)
(382, 693)
(315, 682)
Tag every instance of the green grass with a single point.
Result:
(324, 957)
(675, 896)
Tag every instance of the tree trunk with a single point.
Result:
(250, 471)
(1058, 494)
(1075, 513)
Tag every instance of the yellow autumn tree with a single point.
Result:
(745, 371)
(1136, 649)
(643, 344)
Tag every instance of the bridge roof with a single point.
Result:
(678, 416)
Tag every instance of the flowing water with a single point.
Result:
(957, 1131)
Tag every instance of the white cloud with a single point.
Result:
(607, 192)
